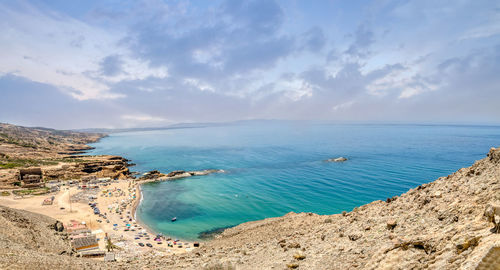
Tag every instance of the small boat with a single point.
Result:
(174, 219)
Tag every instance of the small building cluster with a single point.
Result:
(83, 240)
(92, 182)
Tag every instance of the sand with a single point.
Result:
(118, 192)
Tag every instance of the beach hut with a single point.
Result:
(83, 243)
(75, 227)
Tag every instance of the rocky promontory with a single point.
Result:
(173, 175)
(56, 153)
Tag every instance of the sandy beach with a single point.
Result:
(117, 202)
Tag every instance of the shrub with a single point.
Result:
(219, 266)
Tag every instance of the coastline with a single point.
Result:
(135, 205)
(117, 200)
(133, 210)
(450, 208)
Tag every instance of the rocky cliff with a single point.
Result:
(55, 151)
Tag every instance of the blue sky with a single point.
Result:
(77, 64)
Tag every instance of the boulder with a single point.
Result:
(339, 159)
(492, 214)
(175, 173)
(391, 224)
(152, 175)
(58, 226)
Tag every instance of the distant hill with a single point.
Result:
(177, 126)
(39, 137)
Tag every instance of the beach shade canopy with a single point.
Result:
(115, 225)
(128, 225)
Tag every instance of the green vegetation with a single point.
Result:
(5, 138)
(15, 163)
(75, 160)
(219, 266)
(38, 191)
(5, 193)
(9, 163)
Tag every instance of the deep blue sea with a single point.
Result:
(275, 167)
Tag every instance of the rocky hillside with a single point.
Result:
(54, 151)
(30, 241)
(440, 225)
(46, 139)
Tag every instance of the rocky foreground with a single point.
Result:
(446, 224)
(56, 152)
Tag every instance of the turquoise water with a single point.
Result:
(273, 168)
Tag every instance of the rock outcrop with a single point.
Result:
(173, 175)
(152, 175)
(54, 151)
(339, 159)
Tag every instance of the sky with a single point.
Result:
(149, 63)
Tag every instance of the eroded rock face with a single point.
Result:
(102, 166)
(494, 155)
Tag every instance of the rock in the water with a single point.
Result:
(339, 159)
(152, 175)
(176, 173)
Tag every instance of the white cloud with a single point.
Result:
(295, 89)
(143, 118)
(199, 84)
(343, 106)
(47, 47)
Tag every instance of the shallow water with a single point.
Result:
(276, 167)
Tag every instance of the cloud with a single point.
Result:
(235, 38)
(363, 38)
(152, 62)
(37, 104)
(314, 39)
(111, 65)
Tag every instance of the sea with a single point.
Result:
(275, 167)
